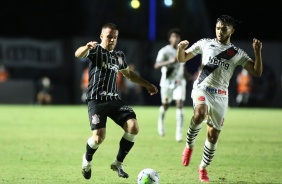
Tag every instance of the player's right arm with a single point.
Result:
(82, 51)
(182, 54)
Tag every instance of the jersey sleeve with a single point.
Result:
(160, 56)
(196, 48)
(90, 54)
(244, 58)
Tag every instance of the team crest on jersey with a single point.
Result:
(95, 119)
(230, 52)
(201, 98)
(120, 61)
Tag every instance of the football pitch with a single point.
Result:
(44, 145)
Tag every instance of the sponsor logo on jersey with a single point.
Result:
(218, 62)
(126, 108)
(110, 66)
(95, 119)
(104, 93)
(215, 90)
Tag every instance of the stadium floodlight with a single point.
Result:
(135, 4)
(168, 3)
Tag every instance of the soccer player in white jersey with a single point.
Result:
(172, 83)
(210, 90)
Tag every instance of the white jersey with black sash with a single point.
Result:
(103, 68)
(172, 72)
(218, 62)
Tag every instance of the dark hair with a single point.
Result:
(227, 20)
(110, 25)
(174, 30)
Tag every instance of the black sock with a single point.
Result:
(124, 148)
(89, 152)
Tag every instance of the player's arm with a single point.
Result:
(256, 67)
(182, 54)
(134, 77)
(159, 64)
(82, 51)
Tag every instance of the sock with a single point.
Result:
(91, 148)
(192, 134)
(209, 151)
(161, 114)
(125, 144)
(161, 128)
(179, 120)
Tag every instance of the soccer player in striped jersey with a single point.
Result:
(103, 98)
(210, 90)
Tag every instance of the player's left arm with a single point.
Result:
(134, 77)
(256, 67)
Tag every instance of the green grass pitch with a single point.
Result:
(44, 145)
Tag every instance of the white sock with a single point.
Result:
(161, 128)
(179, 121)
(92, 144)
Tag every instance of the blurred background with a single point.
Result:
(38, 39)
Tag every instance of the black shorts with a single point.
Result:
(117, 110)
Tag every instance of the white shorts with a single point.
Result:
(173, 90)
(217, 104)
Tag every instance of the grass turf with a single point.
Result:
(44, 144)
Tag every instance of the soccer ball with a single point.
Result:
(148, 176)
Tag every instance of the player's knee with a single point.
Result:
(213, 134)
(200, 114)
(179, 104)
(132, 126)
(199, 117)
(212, 139)
(99, 139)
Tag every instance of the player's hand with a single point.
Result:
(152, 89)
(183, 44)
(257, 45)
(91, 45)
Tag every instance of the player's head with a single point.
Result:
(174, 36)
(224, 28)
(109, 36)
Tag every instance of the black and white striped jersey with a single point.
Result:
(103, 69)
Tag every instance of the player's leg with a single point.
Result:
(179, 95)
(166, 98)
(179, 120)
(214, 126)
(97, 124)
(209, 151)
(200, 102)
(125, 117)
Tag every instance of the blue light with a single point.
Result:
(152, 20)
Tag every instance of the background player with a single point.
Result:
(172, 83)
